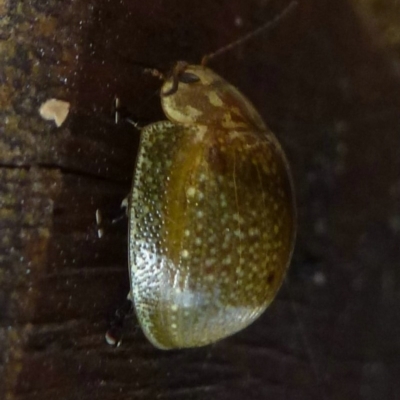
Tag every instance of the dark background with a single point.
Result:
(327, 82)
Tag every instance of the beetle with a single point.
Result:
(212, 216)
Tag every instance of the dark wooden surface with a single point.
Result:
(326, 81)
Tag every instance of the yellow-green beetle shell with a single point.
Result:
(211, 217)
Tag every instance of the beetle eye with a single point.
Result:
(187, 77)
(184, 77)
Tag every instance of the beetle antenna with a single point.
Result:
(268, 25)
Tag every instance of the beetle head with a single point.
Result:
(194, 94)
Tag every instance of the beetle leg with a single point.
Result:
(100, 222)
(125, 204)
(121, 113)
(114, 334)
(125, 207)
